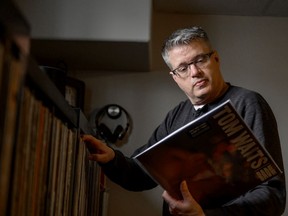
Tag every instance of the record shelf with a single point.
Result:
(43, 161)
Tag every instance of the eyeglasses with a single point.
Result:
(200, 61)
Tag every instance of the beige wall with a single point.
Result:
(253, 53)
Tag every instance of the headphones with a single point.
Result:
(108, 118)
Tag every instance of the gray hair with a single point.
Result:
(183, 37)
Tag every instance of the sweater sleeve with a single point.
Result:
(265, 199)
(125, 172)
(269, 197)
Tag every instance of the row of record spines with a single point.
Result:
(51, 172)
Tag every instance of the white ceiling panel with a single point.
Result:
(278, 8)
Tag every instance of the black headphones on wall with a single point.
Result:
(109, 123)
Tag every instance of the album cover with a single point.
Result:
(217, 154)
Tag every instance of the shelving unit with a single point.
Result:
(43, 161)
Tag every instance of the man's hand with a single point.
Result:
(99, 151)
(186, 207)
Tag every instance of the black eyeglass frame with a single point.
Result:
(194, 62)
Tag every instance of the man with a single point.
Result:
(195, 67)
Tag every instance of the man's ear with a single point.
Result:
(173, 75)
(216, 57)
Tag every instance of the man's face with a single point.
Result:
(203, 85)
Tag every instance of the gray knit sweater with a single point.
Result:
(266, 199)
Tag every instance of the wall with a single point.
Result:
(147, 97)
(253, 53)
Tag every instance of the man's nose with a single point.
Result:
(194, 70)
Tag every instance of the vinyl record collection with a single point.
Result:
(43, 161)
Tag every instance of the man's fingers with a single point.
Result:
(186, 193)
(167, 197)
(170, 201)
(185, 190)
(99, 151)
(96, 157)
(88, 138)
(94, 145)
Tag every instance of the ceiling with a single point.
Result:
(137, 54)
(278, 8)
